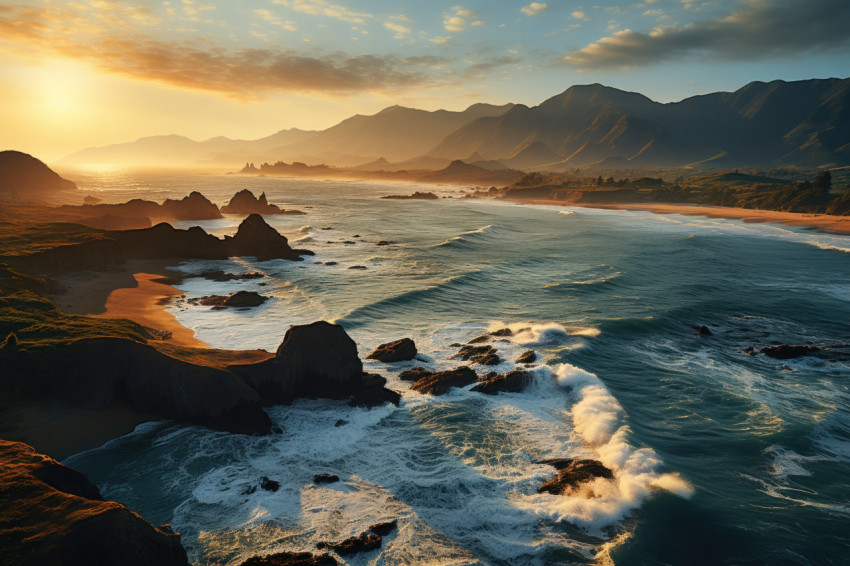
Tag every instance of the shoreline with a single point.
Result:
(138, 292)
(827, 223)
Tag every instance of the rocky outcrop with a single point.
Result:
(317, 360)
(256, 238)
(193, 207)
(364, 542)
(291, 559)
(397, 351)
(414, 374)
(484, 355)
(789, 351)
(52, 514)
(94, 363)
(527, 357)
(325, 478)
(244, 202)
(383, 529)
(510, 382)
(415, 196)
(108, 249)
(94, 373)
(23, 177)
(572, 474)
(439, 383)
(240, 299)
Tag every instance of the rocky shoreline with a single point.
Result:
(69, 364)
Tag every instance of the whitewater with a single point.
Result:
(719, 456)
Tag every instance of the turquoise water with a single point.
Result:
(720, 457)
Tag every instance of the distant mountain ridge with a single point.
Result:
(804, 123)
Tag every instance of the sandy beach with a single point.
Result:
(138, 292)
(822, 222)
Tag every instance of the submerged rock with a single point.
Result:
(364, 542)
(439, 383)
(414, 374)
(703, 330)
(484, 355)
(383, 529)
(240, 299)
(269, 485)
(511, 382)
(573, 473)
(789, 351)
(527, 357)
(52, 514)
(502, 332)
(291, 559)
(397, 351)
(325, 478)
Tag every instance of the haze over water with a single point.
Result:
(719, 457)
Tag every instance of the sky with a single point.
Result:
(95, 72)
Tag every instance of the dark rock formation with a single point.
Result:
(193, 207)
(480, 339)
(414, 374)
(439, 383)
(502, 332)
(291, 559)
(27, 178)
(51, 514)
(269, 485)
(240, 299)
(325, 478)
(94, 363)
(244, 202)
(415, 196)
(703, 330)
(789, 351)
(358, 267)
(573, 473)
(364, 542)
(93, 373)
(511, 382)
(372, 392)
(108, 249)
(484, 355)
(398, 351)
(527, 357)
(256, 238)
(314, 360)
(383, 529)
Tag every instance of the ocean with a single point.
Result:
(719, 457)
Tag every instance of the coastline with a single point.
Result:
(138, 292)
(822, 222)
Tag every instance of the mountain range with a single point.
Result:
(803, 123)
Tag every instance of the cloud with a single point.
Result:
(400, 30)
(764, 29)
(273, 19)
(458, 19)
(578, 14)
(534, 8)
(242, 74)
(325, 8)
